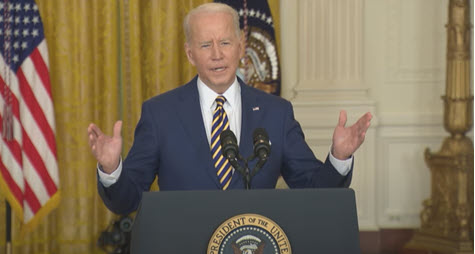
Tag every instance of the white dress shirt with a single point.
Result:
(232, 106)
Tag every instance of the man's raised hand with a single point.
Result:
(346, 140)
(106, 149)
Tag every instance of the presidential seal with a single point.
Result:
(260, 65)
(249, 234)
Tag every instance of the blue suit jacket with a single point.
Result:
(170, 141)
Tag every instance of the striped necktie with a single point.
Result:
(220, 123)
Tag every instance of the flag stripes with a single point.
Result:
(29, 175)
(30, 170)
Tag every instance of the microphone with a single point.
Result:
(261, 143)
(261, 148)
(229, 146)
(230, 150)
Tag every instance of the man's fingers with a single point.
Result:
(91, 139)
(370, 116)
(364, 122)
(366, 117)
(363, 135)
(92, 135)
(94, 130)
(342, 118)
(117, 129)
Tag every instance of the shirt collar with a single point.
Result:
(208, 96)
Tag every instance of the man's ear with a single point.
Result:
(242, 41)
(189, 54)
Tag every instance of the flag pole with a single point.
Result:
(8, 229)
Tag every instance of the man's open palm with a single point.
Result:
(106, 149)
(346, 140)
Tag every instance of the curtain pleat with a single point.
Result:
(106, 57)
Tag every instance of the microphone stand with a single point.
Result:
(244, 171)
(247, 174)
(251, 174)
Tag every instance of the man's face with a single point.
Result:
(214, 49)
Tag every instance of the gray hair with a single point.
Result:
(211, 8)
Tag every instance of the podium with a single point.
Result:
(313, 220)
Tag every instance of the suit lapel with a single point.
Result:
(189, 111)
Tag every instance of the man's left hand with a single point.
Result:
(346, 140)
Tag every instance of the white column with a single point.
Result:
(322, 67)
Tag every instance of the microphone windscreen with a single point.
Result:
(229, 147)
(261, 142)
(260, 133)
(227, 136)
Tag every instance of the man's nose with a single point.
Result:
(217, 54)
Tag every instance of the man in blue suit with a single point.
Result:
(176, 132)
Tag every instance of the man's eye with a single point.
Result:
(205, 46)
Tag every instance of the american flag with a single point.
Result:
(28, 167)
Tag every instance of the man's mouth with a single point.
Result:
(218, 69)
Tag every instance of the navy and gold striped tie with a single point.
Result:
(220, 123)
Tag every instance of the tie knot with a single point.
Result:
(220, 100)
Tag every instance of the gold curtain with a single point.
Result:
(154, 59)
(82, 39)
(106, 57)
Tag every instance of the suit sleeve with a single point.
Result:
(301, 169)
(139, 168)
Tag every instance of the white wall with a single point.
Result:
(382, 56)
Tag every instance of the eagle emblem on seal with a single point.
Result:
(248, 244)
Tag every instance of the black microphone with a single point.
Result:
(261, 148)
(229, 147)
(261, 143)
(230, 150)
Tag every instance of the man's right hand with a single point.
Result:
(106, 149)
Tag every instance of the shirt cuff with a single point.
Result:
(109, 179)
(342, 166)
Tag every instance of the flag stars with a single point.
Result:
(35, 7)
(269, 20)
(257, 14)
(263, 17)
(16, 45)
(1, 6)
(6, 45)
(11, 7)
(18, 7)
(16, 33)
(27, 7)
(26, 20)
(35, 33)
(36, 20)
(26, 33)
(17, 20)
(24, 45)
(15, 59)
